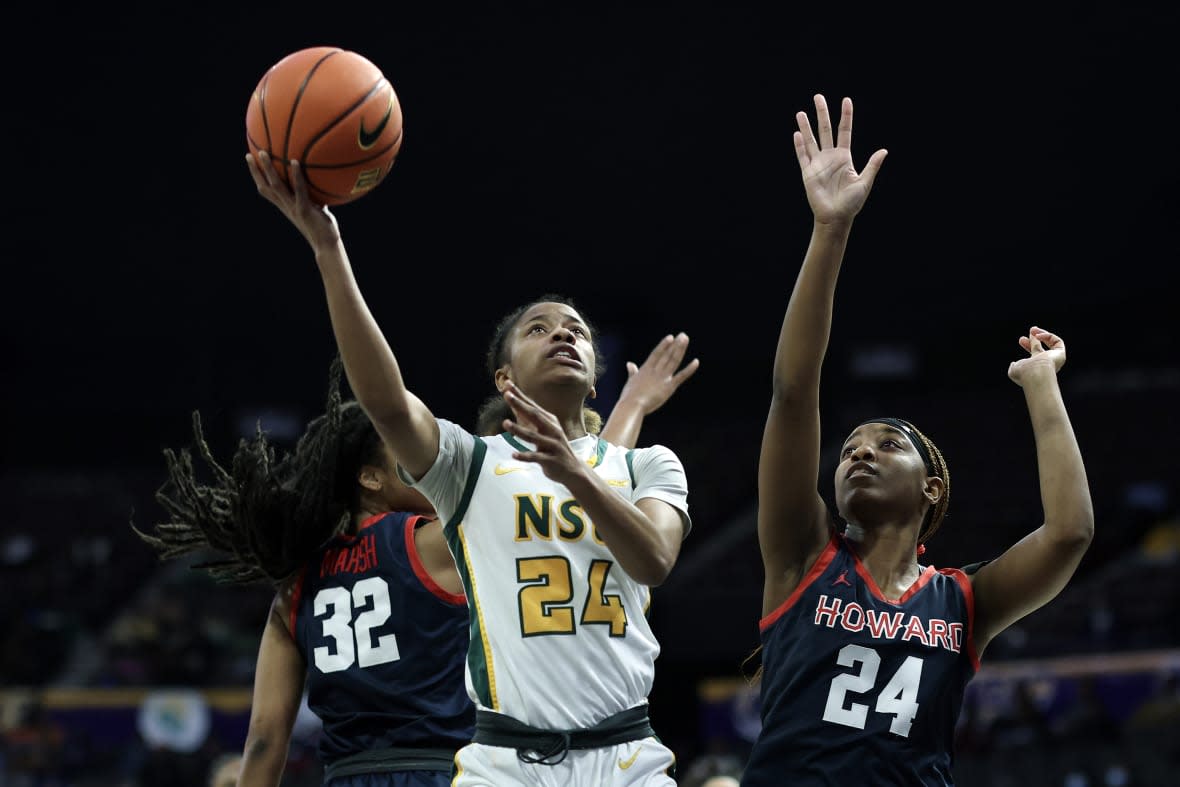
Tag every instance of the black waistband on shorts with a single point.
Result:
(543, 746)
(389, 760)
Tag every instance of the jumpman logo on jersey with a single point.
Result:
(842, 579)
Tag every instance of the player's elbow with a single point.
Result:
(655, 571)
(656, 565)
(1082, 531)
(1075, 532)
(266, 739)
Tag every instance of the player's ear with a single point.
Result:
(370, 477)
(935, 489)
(503, 375)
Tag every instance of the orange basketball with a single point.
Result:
(335, 113)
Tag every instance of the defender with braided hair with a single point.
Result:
(369, 609)
(866, 653)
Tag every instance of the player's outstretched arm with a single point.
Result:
(1035, 569)
(792, 518)
(402, 419)
(278, 692)
(647, 388)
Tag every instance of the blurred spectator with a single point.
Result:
(1161, 712)
(1161, 542)
(34, 750)
(1022, 726)
(1088, 740)
(971, 731)
(713, 770)
(1088, 720)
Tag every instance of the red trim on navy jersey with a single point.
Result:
(420, 570)
(969, 597)
(919, 583)
(822, 562)
(370, 521)
(296, 593)
(352, 538)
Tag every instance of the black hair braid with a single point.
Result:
(267, 517)
(937, 512)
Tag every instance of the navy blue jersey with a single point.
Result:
(858, 688)
(385, 645)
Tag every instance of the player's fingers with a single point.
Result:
(264, 170)
(528, 410)
(679, 347)
(844, 133)
(255, 172)
(671, 353)
(823, 121)
(687, 371)
(521, 430)
(810, 147)
(659, 353)
(267, 166)
(800, 149)
(1047, 338)
(513, 394)
(1034, 341)
(869, 173)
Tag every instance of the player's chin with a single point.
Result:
(860, 502)
(569, 374)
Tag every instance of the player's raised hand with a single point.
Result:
(1045, 351)
(315, 222)
(653, 383)
(835, 190)
(536, 425)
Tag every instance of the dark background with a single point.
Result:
(637, 157)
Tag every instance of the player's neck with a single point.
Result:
(888, 553)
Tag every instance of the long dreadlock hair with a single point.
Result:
(265, 516)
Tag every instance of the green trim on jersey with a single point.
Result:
(477, 654)
(477, 651)
(599, 452)
(478, 451)
(631, 467)
(512, 441)
(600, 447)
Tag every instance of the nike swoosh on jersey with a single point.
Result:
(367, 139)
(502, 470)
(627, 763)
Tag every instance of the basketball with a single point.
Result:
(334, 112)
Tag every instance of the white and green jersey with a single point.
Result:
(559, 632)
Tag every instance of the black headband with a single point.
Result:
(911, 432)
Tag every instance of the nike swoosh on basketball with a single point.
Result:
(627, 763)
(368, 139)
(502, 470)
